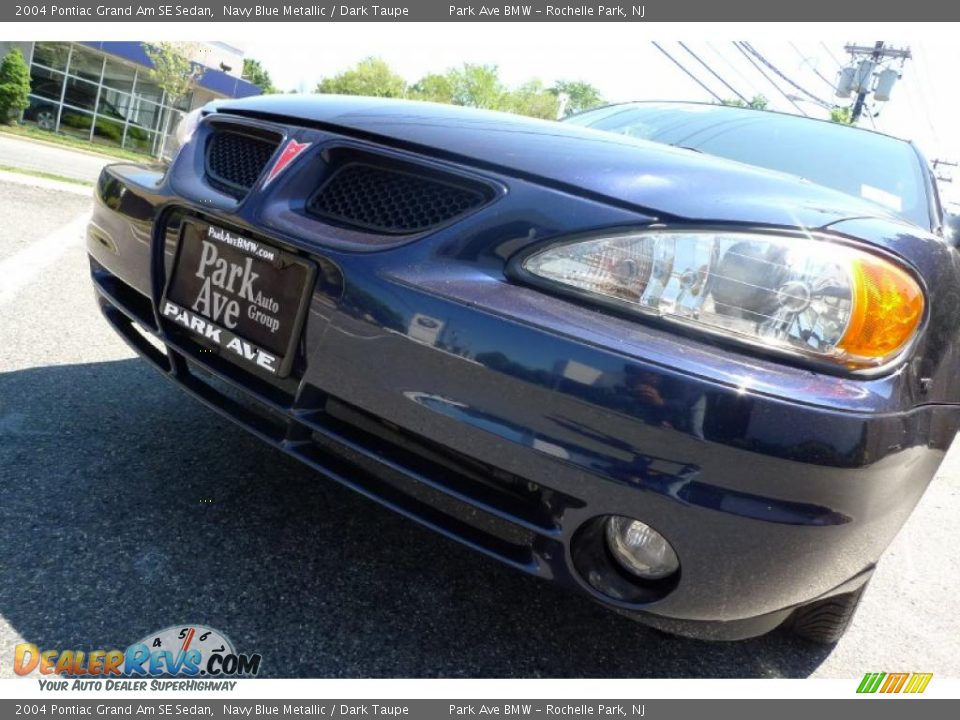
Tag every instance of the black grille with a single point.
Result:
(236, 160)
(394, 201)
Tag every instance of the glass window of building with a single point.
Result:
(86, 63)
(79, 90)
(76, 122)
(118, 76)
(114, 104)
(146, 115)
(46, 83)
(140, 139)
(51, 55)
(81, 94)
(108, 132)
(148, 89)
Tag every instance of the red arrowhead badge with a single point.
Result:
(289, 154)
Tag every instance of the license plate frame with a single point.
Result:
(217, 285)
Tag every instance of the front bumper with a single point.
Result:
(522, 421)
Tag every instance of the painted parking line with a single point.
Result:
(22, 268)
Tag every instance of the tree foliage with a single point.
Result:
(469, 85)
(254, 72)
(433, 87)
(580, 96)
(172, 70)
(757, 102)
(371, 76)
(14, 86)
(478, 86)
(842, 115)
(534, 100)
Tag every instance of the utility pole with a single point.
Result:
(862, 95)
(944, 176)
(859, 76)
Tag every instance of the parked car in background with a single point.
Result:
(704, 385)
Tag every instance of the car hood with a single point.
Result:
(667, 182)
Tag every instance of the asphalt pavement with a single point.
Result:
(40, 157)
(126, 507)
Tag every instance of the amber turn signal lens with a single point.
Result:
(887, 310)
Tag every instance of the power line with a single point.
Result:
(688, 73)
(832, 56)
(713, 72)
(748, 80)
(761, 58)
(920, 68)
(806, 61)
(769, 80)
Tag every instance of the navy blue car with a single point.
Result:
(696, 362)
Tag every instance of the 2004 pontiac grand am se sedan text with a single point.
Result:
(697, 362)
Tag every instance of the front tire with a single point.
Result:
(825, 621)
(47, 119)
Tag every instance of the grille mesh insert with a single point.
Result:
(236, 160)
(393, 201)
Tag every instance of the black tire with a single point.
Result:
(824, 621)
(46, 118)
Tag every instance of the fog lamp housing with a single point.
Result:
(639, 549)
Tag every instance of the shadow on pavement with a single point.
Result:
(126, 507)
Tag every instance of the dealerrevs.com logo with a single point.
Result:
(902, 682)
(180, 651)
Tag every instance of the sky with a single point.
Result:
(625, 65)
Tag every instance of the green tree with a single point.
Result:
(255, 73)
(757, 102)
(469, 85)
(172, 70)
(371, 76)
(534, 100)
(843, 115)
(478, 86)
(580, 95)
(14, 86)
(434, 87)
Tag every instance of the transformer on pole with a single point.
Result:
(870, 71)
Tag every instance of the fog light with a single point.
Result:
(640, 549)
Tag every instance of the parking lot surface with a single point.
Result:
(126, 507)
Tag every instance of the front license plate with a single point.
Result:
(242, 295)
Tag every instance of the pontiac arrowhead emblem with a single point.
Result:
(289, 154)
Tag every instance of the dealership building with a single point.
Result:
(102, 91)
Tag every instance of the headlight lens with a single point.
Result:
(800, 295)
(187, 126)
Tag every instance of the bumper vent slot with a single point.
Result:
(395, 198)
(236, 160)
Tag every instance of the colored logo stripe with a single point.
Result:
(894, 682)
(918, 683)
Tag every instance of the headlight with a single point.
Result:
(187, 126)
(794, 294)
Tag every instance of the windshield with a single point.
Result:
(875, 167)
